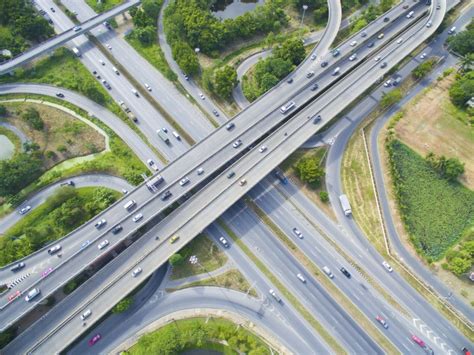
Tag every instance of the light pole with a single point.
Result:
(305, 7)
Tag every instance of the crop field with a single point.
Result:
(435, 211)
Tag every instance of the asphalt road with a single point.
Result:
(179, 168)
(133, 140)
(191, 87)
(66, 35)
(186, 114)
(103, 180)
(121, 89)
(435, 48)
(276, 137)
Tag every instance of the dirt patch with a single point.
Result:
(63, 135)
(431, 123)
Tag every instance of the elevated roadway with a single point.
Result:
(213, 199)
(65, 36)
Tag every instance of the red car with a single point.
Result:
(418, 341)
(466, 351)
(13, 296)
(95, 339)
(382, 321)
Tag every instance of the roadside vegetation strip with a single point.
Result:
(318, 327)
(120, 161)
(144, 93)
(231, 279)
(334, 291)
(196, 333)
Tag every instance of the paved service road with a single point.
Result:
(99, 180)
(132, 139)
(186, 114)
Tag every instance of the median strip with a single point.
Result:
(328, 338)
(335, 292)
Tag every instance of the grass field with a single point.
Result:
(435, 211)
(431, 123)
(60, 130)
(197, 333)
(209, 255)
(103, 5)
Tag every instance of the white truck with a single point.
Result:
(76, 52)
(346, 207)
(153, 183)
(129, 113)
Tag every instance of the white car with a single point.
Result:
(274, 295)
(423, 56)
(298, 233)
(135, 92)
(301, 278)
(201, 95)
(313, 56)
(152, 164)
(137, 217)
(200, 171)
(400, 40)
(237, 143)
(380, 36)
(224, 242)
(25, 209)
(147, 87)
(101, 62)
(262, 148)
(184, 181)
(137, 271)
(109, 46)
(353, 43)
(353, 57)
(164, 129)
(103, 244)
(429, 24)
(377, 58)
(387, 266)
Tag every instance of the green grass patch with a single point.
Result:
(103, 5)
(232, 279)
(195, 333)
(434, 210)
(154, 55)
(318, 327)
(209, 255)
(63, 212)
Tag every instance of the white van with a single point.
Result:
(115, 70)
(452, 30)
(328, 272)
(410, 14)
(32, 294)
(129, 205)
(176, 135)
(86, 314)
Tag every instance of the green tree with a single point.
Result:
(186, 58)
(453, 168)
(225, 80)
(92, 92)
(462, 89)
(32, 117)
(123, 305)
(309, 171)
(390, 98)
(17, 173)
(459, 265)
(292, 50)
(462, 42)
(422, 69)
(324, 196)
(467, 62)
(145, 35)
(176, 259)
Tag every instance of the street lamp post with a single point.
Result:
(305, 7)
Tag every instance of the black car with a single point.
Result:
(166, 195)
(316, 118)
(17, 267)
(345, 272)
(383, 65)
(386, 19)
(59, 94)
(371, 44)
(324, 64)
(117, 229)
(230, 175)
(290, 80)
(314, 87)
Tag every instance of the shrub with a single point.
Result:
(324, 196)
(123, 305)
(18, 172)
(32, 117)
(176, 259)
